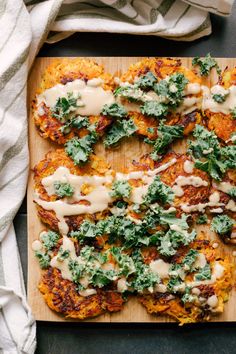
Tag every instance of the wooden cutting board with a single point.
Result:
(119, 159)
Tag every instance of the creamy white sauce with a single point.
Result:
(37, 245)
(91, 96)
(217, 210)
(212, 301)
(63, 265)
(215, 245)
(160, 288)
(122, 285)
(193, 88)
(223, 186)
(213, 201)
(225, 107)
(187, 181)
(200, 261)
(217, 273)
(88, 292)
(196, 291)
(160, 267)
(231, 205)
(188, 166)
(97, 195)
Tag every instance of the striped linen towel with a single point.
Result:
(22, 32)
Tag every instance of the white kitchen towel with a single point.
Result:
(22, 32)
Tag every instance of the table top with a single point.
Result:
(85, 338)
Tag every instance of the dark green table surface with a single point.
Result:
(109, 338)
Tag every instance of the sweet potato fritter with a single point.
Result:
(169, 304)
(61, 296)
(161, 68)
(192, 195)
(224, 125)
(46, 167)
(61, 71)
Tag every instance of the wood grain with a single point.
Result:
(119, 159)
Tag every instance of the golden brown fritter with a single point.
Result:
(224, 125)
(46, 167)
(61, 71)
(162, 67)
(61, 296)
(169, 304)
(192, 195)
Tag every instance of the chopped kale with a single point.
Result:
(63, 254)
(63, 189)
(158, 192)
(202, 219)
(172, 89)
(166, 135)
(188, 297)
(232, 192)
(76, 122)
(132, 93)
(154, 109)
(190, 258)
(86, 230)
(80, 149)
(233, 112)
(49, 239)
(125, 262)
(114, 110)
(208, 154)
(228, 154)
(222, 224)
(172, 240)
(147, 81)
(204, 273)
(119, 130)
(64, 106)
(43, 258)
(219, 98)
(101, 278)
(206, 64)
(120, 189)
(144, 278)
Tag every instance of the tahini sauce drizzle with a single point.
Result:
(91, 96)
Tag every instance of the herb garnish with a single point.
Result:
(120, 129)
(206, 64)
(114, 110)
(63, 189)
(222, 224)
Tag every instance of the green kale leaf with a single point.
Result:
(204, 273)
(119, 130)
(172, 89)
(166, 135)
(63, 189)
(120, 189)
(222, 224)
(80, 149)
(206, 64)
(43, 258)
(114, 110)
(64, 106)
(147, 81)
(202, 219)
(158, 192)
(154, 109)
(49, 239)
